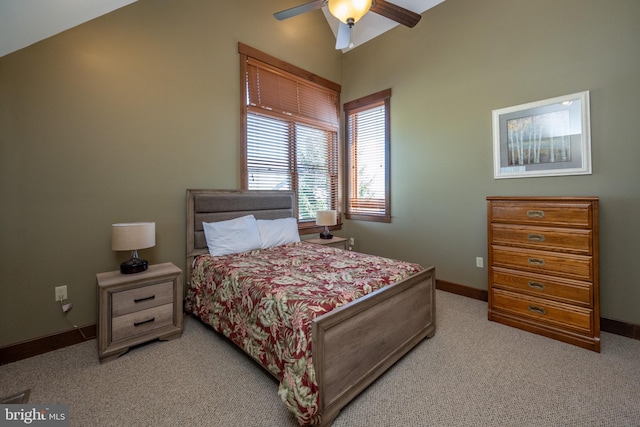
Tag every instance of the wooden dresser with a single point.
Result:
(543, 266)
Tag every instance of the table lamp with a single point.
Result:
(326, 218)
(132, 236)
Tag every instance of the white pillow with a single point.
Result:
(232, 236)
(276, 232)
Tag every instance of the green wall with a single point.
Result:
(467, 58)
(111, 121)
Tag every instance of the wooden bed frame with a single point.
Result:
(353, 344)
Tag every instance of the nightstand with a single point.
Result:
(139, 307)
(336, 242)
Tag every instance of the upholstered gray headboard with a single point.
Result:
(220, 205)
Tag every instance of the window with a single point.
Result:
(368, 174)
(290, 133)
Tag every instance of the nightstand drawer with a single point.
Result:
(141, 298)
(139, 322)
(543, 238)
(336, 242)
(538, 309)
(575, 266)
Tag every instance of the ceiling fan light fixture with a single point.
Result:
(349, 10)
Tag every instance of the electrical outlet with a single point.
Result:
(479, 262)
(352, 241)
(61, 293)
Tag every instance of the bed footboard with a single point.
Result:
(354, 344)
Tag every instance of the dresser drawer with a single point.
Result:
(563, 290)
(545, 311)
(543, 238)
(570, 214)
(140, 322)
(545, 262)
(141, 298)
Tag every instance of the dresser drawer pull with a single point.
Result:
(136, 324)
(137, 300)
(536, 261)
(535, 214)
(536, 237)
(538, 310)
(536, 285)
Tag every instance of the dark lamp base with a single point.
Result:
(326, 234)
(133, 265)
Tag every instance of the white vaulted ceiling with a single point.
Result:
(24, 22)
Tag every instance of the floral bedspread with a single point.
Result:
(265, 301)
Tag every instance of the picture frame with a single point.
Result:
(551, 137)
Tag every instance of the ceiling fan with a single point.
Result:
(348, 12)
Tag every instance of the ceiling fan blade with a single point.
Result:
(343, 38)
(298, 10)
(396, 13)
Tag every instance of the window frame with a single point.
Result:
(350, 108)
(247, 54)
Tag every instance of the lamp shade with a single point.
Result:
(133, 235)
(349, 9)
(328, 217)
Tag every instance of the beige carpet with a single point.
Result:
(472, 373)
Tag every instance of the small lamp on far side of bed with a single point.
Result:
(132, 236)
(326, 218)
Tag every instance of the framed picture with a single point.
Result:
(543, 138)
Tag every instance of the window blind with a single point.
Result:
(290, 135)
(275, 92)
(367, 122)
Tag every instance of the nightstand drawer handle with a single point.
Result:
(137, 300)
(538, 310)
(536, 261)
(144, 321)
(536, 285)
(535, 214)
(536, 237)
